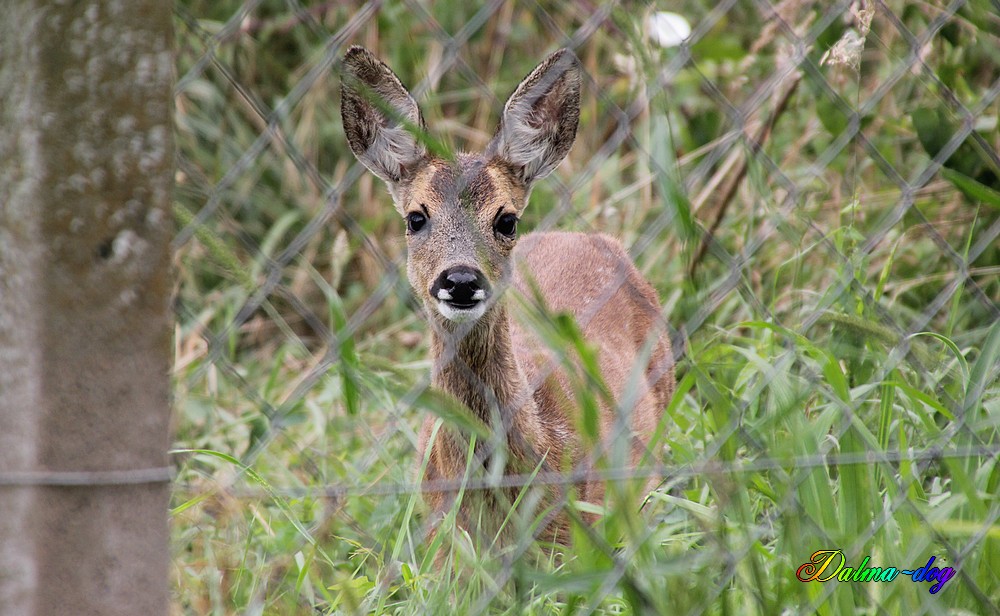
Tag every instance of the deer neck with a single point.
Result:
(477, 365)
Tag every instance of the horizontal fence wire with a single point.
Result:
(88, 478)
(669, 473)
(812, 189)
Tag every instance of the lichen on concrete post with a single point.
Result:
(85, 324)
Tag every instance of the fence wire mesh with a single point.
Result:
(812, 188)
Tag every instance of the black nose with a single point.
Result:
(461, 286)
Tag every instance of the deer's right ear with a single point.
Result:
(378, 115)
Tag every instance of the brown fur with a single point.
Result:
(494, 365)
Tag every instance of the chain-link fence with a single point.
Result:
(812, 188)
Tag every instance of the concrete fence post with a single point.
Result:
(86, 171)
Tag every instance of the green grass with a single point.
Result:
(834, 393)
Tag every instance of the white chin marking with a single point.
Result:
(461, 316)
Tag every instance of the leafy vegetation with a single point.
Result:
(838, 387)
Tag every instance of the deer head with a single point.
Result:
(461, 214)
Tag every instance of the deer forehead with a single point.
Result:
(469, 185)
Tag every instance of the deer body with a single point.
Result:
(463, 252)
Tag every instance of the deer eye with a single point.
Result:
(415, 221)
(506, 225)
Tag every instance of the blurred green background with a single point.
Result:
(837, 335)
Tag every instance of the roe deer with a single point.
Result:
(461, 219)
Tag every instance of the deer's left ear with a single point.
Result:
(539, 121)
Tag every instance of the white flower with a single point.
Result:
(667, 29)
